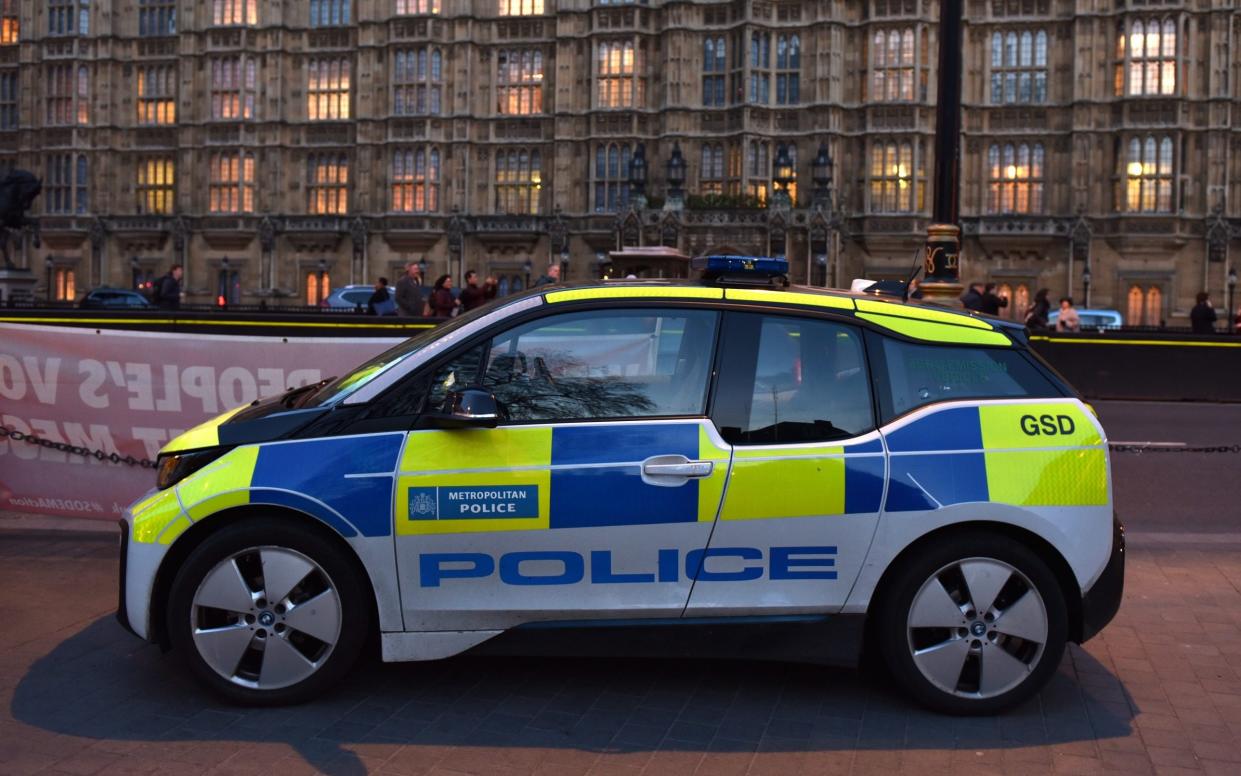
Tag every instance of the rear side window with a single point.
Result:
(924, 374)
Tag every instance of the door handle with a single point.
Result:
(682, 468)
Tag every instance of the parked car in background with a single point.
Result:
(349, 297)
(112, 298)
(1092, 319)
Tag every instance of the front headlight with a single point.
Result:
(177, 466)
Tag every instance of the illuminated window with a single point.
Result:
(234, 86)
(1015, 178)
(234, 12)
(156, 185)
(157, 94)
(519, 82)
(411, 7)
(68, 95)
(714, 63)
(892, 65)
(758, 170)
(327, 184)
(519, 180)
(157, 17)
(232, 182)
(1146, 57)
(788, 70)
(711, 177)
(327, 96)
(760, 67)
(618, 87)
(418, 75)
(65, 184)
(1018, 67)
(68, 17)
(416, 180)
(10, 23)
(64, 285)
(8, 100)
(329, 13)
(611, 177)
(318, 286)
(1145, 306)
(1019, 306)
(520, 7)
(1148, 175)
(896, 178)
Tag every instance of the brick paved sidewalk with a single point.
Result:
(1158, 692)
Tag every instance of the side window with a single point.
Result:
(924, 374)
(603, 364)
(460, 372)
(788, 380)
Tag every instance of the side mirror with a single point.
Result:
(468, 408)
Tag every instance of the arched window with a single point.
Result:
(417, 82)
(711, 175)
(327, 93)
(416, 180)
(1019, 67)
(519, 82)
(1154, 306)
(714, 63)
(1148, 175)
(1146, 54)
(611, 177)
(231, 186)
(1015, 178)
(892, 65)
(327, 184)
(788, 70)
(618, 84)
(895, 182)
(1020, 304)
(1133, 315)
(519, 180)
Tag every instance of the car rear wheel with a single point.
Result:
(268, 613)
(973, 624)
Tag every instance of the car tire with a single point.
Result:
(259, 652)
(953, 657)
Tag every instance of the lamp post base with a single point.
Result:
(943, 251)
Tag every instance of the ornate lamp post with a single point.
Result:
(47, 266)
(821, 172)
(783, 173)
(323, 276)
(527, 267)
(943, 236)
(1086, 278)
(637, 178)
(676, 180)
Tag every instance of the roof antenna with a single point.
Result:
(918, 265)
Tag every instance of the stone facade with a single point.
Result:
(266, 145)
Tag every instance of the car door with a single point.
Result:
(808, 471)
(591, 499)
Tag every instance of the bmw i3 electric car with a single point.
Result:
(646, 467)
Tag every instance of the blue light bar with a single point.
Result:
(756, 267)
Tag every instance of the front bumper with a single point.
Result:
(1102, 601)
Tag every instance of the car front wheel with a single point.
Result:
(268, 613)
(973, 624)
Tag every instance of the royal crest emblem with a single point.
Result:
(421, 506)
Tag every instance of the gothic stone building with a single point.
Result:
(279, 148)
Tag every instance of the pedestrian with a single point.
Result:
(972, 299)
(915, 289)
(1202, 317)
(381, 302)
(1068, 320)
(167, 291)
(1036, 319)
(550, 277)
(442, 302)
(472, 296)
(491, 287)
(410, 296)
(991, 302)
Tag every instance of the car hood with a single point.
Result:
(260, 421)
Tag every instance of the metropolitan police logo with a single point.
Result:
(422, 505)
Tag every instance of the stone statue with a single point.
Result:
(18, 191)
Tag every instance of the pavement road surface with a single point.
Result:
(1158, 692)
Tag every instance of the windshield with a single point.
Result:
(346, 384)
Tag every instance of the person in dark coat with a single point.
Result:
(972, 299)
(167, 294)
(442, 302)
(472, 296)
(490, 287)
(1036, 319)
(991, 302)
(410, 299)
(1202, 317)
(381, 302)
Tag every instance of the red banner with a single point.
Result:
(129, 392)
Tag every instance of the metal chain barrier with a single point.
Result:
(1143, 449)
(64, 447)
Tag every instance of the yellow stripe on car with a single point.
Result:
(1040, 425)
(788, 297)
(635, 292)
(155, 513)
(790, 486)
(920, 313)
(1048, 478)
(930, 331)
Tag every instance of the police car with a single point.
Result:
(727, 467)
